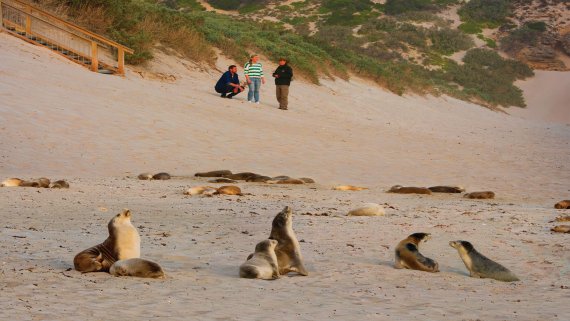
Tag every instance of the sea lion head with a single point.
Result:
(283, 219)
(461, 244)
(266, 245)
(123, 218)
(419, 237)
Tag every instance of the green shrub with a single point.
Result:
(394, 7)
(471, 27)
(491, 11)
(447, 41)
(519, 39)
(536, 25)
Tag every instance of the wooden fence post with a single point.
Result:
(94, 58)
(1, 16)
(121, 61)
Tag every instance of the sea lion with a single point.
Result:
(286, 181)
(561, 229)
(399, 189)
(307, 180)
(219, 173)
(258, 179)
(565, 204)
(480, 195)
(408, 255)
(229, 190)
(222, 180)
(288, 250)
(446, 189)
(198, 190)
(43, 182)
(60, 184)
(262, 264)
(280, 177)
(348, 188)
(481, 266)
(368, 209)
(11, 182)
(123, 243)
(161, 176)
(145, 176)
(565, 218)
(137, 267)
(241, 176)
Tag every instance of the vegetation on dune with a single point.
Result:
(393, 48)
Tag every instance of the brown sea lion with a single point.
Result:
(229, 190)
(137, 267)
(123, 243)
(43, 182)
(348, 188)
(561, 229)
(286, 181)
(480, 195)
(258, 179)
(481, 266)
(307, 180)
(565, 204)
(222, 180)
(280, 177)
(161, 176)
(408, 255)
(241, 176)
(60, 184)
(565, 218)
(446, 189)
(288, 250)
(262, 264)
(399, 189)
(219, 173)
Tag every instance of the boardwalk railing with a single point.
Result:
(73, 42)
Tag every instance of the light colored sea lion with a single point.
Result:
(219, 173)
(481, 266)
(197, 190)
(348, 188)
(241, 176)
(43, 182)
(368, 209)
(561, 229)
(11, 182)
(288, 250)
(258, 179)
(480, 195)
(137, 267)
(408, 255)
(562, 204)
(60, 184)
(145, 176)
(399, 189)
(229, 190)
(262, 264)
(446, 189)
(286, 181)
(161, 176)
(123, 243)
(222, 180)
(307, 180)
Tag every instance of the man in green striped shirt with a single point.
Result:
(254, 75)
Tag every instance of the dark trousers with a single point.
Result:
(227, 89)
(282, 93)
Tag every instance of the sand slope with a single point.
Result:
(99, 132)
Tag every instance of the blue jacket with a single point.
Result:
(225, 80)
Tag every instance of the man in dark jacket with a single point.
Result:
(229, 83)
(283, 75)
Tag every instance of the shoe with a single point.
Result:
(249, 101)
(223, 95)
(282, 108)
(257, 102)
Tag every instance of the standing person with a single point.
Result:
(229, 83)
(253, 71)
(283, 75)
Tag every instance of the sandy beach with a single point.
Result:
(60, 121)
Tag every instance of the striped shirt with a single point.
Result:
(253, 70)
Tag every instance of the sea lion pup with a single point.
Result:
(137, 267)
(258, 179)
(11, 182)
(408, 255)
(348, 188)
(307, 180)
(481, 266)
(262, 264)
(399, 189)
(60, 184)
(197, 190)
(229, 190)
(561, 229)
(286, 181)
(220, 173)
(145, 176)
(562, 204)
(43, 182)
(288, 250)
(446, 189)
(161, 176)
(123, 243)
(368, 209)
(480, 195)
(241, 176)
(222, 180)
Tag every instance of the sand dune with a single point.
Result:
(98, 131)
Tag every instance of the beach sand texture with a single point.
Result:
(99, 132)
